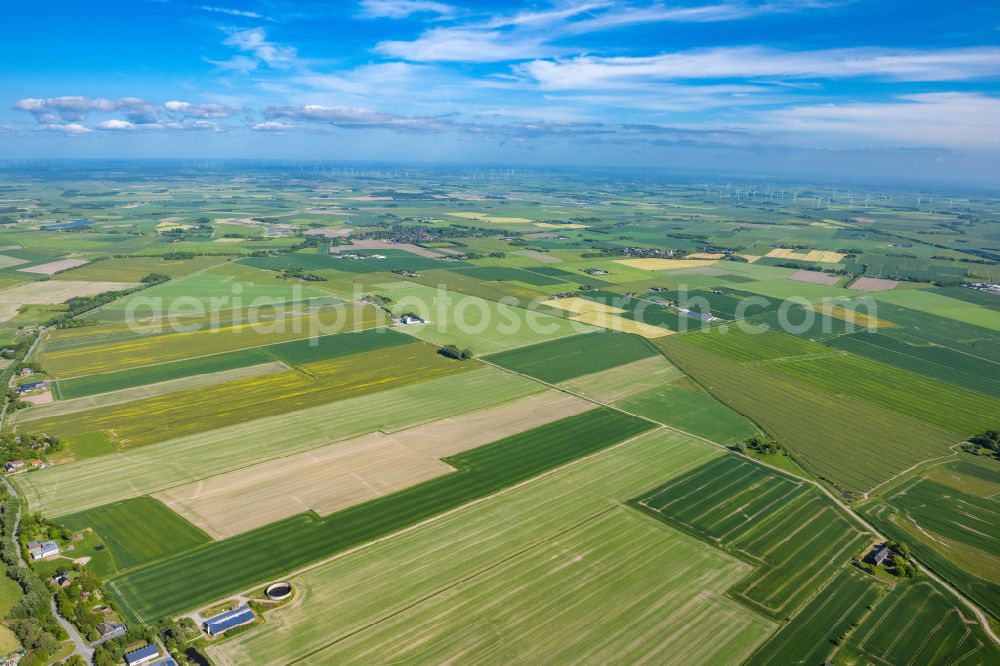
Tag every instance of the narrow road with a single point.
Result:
(82, 648)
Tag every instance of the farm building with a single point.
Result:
(110, 630)
(143, 655)
(31, 386)
(881, 555)
(42, 549)
(411, 319)
(13, 465)
(223, 622)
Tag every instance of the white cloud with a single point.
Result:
(943, 120)
(255, 42)
(588, 72)
(400, 9)
(457, 45)
(272, 126)
(116, 124)
(230, 12)
(68, 128)
(198, 110)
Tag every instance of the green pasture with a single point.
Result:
(558, 360)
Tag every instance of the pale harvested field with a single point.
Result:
(751, 257)
(550, 225)
(613, 322)
(704, 255)
(330, 233)
(873, 284)
(578, 305)
(543, 257)
(53, 292)
(63, 489)
(665, 264)
(553, 571)
(7, 262)
(490, 218)
(54, 267)
(820, 256)
(625, 380)
(814, 277)
(343, 474)
(382, 245)
(73, 405)
(228, 240)
(857, 317)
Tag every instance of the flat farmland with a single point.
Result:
(149, 420)
(86, 385)
(133, 269)
(936, 361)
(52, 292)
(223, 567)
(946, 406)
(346, 604)
(101, 400)
(88, 483)
(624, 380)
(138, 530)
(851, 442)
(797, 538)
(942, 306)
(559, 360)
(915, 626)
(478, 324)
(333, 477)
(145, 350)
(955, 532)
(812, 636)
(691, 410)
(312, 350)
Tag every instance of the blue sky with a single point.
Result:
(907, 89)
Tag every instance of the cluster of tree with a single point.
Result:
(112, 652)
(27, 446)
(31, 619)
(899, 563)
(759, 445)
(78, 305)
(36, 527)
(986, 444)
(298, 273)
(20, 350)
(498, 255)
(451, 351)
(76, 602)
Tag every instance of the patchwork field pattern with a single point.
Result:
(560, 360)
(138, 530)
(66, 488)
(143, 422)
(955, 532)
(136, 351)
(382, 585)
(851, 442)
(776, 522)
(333, 477)
(223, 567)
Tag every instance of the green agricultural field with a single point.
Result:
(813, 635)
(954, 532)
(788, 529)
(624, 380)
(558, 360)
(475, 323)
(138, 530)
(63, 489)
(133, 269)
(378, 587)
(154, 419)
(936, 361)
(300, 352)
(78, 387)
(209, 572)
(919, 625)
(690, 410)
(962, 412)
(943, 306)
(139, 350)
(850, 442)
(751, 345)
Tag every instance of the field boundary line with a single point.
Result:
(445, 514)
(465, 579)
